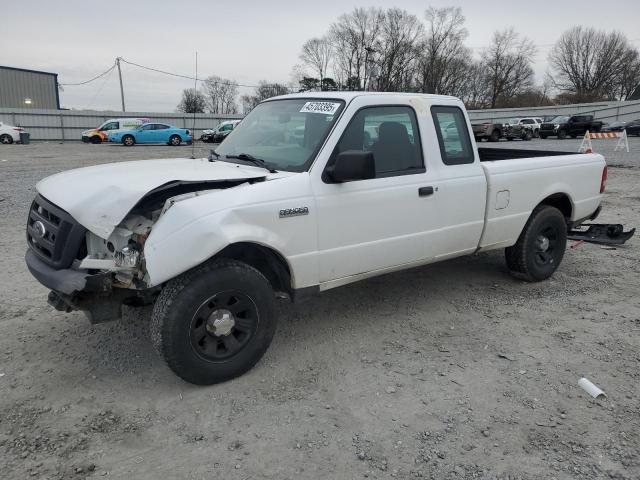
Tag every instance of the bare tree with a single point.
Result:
(221, 95)
(444, 60)
(507, 66)
(263, 91)
(353, 37)
(591, 63)
(317, 54)
(395, 51)
(630, 75)
(192, 101)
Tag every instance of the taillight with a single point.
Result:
(18, 129)
(603, 182)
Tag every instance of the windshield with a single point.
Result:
(286, 134)
(560, 119)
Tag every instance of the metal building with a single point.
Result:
(22, 88)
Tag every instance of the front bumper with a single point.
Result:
(66, 281)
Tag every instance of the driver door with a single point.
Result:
(145, 133)
(376, 224)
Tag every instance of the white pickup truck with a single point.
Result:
(310, 192)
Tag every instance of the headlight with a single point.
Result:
(128, 257)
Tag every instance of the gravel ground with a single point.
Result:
(454, 370)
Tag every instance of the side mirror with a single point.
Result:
(352, 165)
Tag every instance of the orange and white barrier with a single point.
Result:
(623, 141)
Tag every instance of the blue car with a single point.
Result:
(152, 133)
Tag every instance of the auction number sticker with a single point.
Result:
(327, 108)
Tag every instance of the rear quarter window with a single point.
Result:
(453, 135)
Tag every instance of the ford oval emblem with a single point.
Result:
(38, 226)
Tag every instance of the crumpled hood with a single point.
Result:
(99, 197)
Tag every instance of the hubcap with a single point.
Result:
(220, 322)
(546, 245)
(223, 325)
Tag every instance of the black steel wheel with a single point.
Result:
(540, 247)
(214, 322)
(223, 325)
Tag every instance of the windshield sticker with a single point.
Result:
(326, 108)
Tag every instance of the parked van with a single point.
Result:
(101, 134)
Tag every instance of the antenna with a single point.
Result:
(195, 98)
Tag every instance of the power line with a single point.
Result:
(188, 77)
(106, 72)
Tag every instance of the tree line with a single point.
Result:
(393, 50)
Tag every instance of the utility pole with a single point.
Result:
(121, 89)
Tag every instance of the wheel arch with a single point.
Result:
(561, 201)
(271, 263)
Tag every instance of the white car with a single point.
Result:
(9, 133)
(213, 242)
(531, 123)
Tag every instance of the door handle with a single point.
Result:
(425, 191)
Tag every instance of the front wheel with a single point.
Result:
(128, 140)
(214, 322)
(540, 247)
(562, 134)
(175, 140)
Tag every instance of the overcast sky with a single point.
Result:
(246, 40)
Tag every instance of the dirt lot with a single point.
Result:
(455, 370)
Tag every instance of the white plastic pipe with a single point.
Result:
(590, 388)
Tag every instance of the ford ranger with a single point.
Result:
(309, 192)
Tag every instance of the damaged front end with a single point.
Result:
(98, 275)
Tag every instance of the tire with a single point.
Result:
(95, 139)
(536, 133)
(527, 136)
(175, 140)
(188, 312)
(562, 134)
(510, 138)
(6, 139)
(540, 247)
(128, 141)
(542, 135)
(573, 136)
(495, 136)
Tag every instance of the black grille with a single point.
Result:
(61, 239)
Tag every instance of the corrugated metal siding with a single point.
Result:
(17, 85)
(69, 124)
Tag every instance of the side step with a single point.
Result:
(601, 233)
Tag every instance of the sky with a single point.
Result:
(247, 41)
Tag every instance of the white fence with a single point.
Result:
(68, 124)
(605, 111)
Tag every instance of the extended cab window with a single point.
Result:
(453, 135)
(391, 134)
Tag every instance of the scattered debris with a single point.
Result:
(507, 357)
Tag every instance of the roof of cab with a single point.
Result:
(347, 96)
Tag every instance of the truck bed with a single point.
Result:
(488, 154)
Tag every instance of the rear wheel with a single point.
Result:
(527, 135)
(215, 322)
(6, 139)
(175, 140)
(536, 133)
(540, 247)
(128, 141)
(543, 135)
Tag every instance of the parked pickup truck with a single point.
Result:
(370, 186)
(563, 126)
